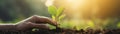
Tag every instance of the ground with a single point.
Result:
(61, 31)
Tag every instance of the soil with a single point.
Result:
(62, 31)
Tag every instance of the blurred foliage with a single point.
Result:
(12, 10)
(94, 23)
(118, 25)
(91, 24)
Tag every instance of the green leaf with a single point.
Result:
(61, 17)
(59, 10)
(52, 10)
(53, 17)
(51, 26)
(35, 29)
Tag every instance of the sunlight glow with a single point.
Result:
(49, 2)
(76, 1)
(77, 7)
(87, 12)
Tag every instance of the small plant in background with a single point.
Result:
(118, 25)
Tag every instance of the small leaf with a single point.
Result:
(53, 17)
(59, 10)
(61, 17)
(52, 10)
(35, 29)
(51, 26)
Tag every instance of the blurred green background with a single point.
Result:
(16, 10)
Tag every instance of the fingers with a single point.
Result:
(29, 19)
(42, 19)
(7, 27)
(24, 26)
(41, 26)
(29, 25)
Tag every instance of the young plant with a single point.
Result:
(56, 14)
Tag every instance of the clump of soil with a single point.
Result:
(61, 31)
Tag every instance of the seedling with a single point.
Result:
(56, 13)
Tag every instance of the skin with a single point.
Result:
(29, 23)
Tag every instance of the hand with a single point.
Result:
(29, 26)
(29, 23)
(35, 22)
(39, 20)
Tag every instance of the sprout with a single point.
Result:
(56, 13)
